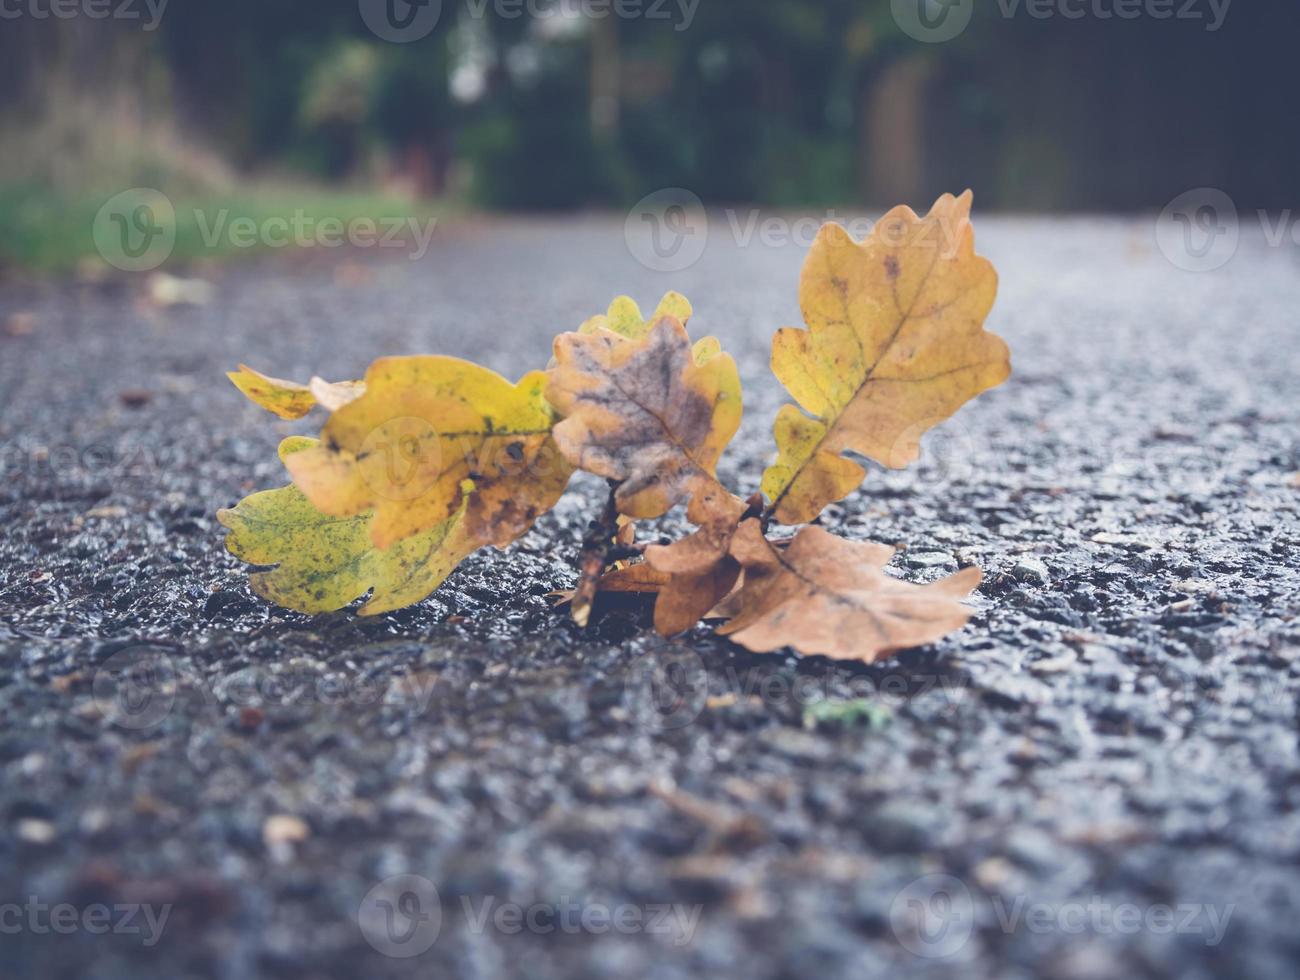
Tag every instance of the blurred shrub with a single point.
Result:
(338, 103)
(530, 144)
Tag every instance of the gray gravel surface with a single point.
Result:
(1099, 777)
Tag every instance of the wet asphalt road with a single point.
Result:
(1099, 777)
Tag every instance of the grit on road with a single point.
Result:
(1098, 777)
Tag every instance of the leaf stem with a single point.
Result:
(597, 544)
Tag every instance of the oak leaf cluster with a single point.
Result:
(428, 459)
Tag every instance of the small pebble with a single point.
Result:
(284, 829)
(1031, 570)
(1054, 665)
(34, 831)
(929, 559)
(20, 324)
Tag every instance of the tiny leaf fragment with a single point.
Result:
(290, 400)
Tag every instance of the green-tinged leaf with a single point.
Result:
(324, 563)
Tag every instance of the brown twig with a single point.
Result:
(597, 545)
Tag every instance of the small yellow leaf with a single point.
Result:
(324, 562)
(428, 435)
(895, 344)
(624, 317)
(288, 399)
(824, 595)
(644, 412)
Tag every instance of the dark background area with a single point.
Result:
(780, 102)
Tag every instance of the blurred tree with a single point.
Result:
(414, 117)
(338, 103)
(790, 102)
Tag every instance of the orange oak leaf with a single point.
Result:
(823, 595)
(895, 344)
(699, 568)
(647, 412)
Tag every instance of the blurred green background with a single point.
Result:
(555, 104)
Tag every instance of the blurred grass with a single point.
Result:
(47, 232)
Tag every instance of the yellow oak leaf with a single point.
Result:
(895, 344)
(290, 400)
(644, 412)
(823, 595)
(324, 563)
(428, 435)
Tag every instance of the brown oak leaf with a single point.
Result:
(637, 579)
(823, 595)
(699, 568)
(647, 412)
